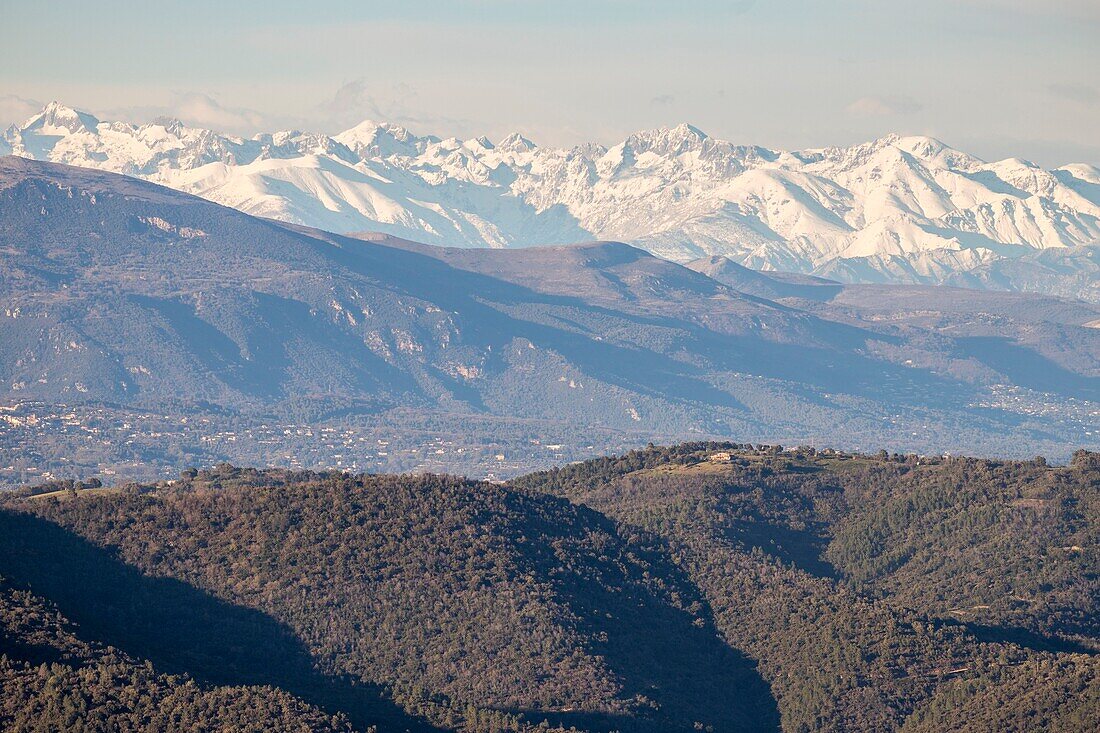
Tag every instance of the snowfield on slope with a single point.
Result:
(908, 209)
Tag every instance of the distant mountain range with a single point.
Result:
(127, 295)
(897, 209)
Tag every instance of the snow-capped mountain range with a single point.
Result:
(907, 209)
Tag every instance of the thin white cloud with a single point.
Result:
(356, 101)
(397, 103)
(205, 111)
(15, 110)
(196, 109)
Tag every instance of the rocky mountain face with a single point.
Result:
(897, 209)
(122, 294)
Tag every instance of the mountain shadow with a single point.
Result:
(673, 663)
(1028, 368)
(1001, 634)
(804, 549)
(611, 635)
(177, 627)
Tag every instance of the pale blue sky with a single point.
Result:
(995, 77)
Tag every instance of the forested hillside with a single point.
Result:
(885, 592)
(470, 605)
(54, 680)
(699, 587)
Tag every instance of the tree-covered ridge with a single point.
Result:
(53, 680)
(469, 604)
(699, 586)
(1005, 544)
(838, 574)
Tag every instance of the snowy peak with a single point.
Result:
(667, 140)
(935, 152)
(479, 144)
(171, 125)
(371, 139)
(895, 208)
(58, 119)
(516, 143)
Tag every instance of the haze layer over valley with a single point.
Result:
(145, 329)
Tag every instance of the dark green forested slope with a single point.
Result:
(698, 587)
(471, 605)
(53, 680)
(882, 592)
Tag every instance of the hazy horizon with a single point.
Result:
(998, 78)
